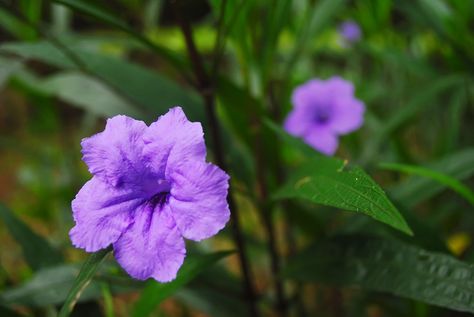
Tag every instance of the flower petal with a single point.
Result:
(152, 246)
(348, 115)
(173, 139)
(114, 155)
(323, 140)
(198, 199)
(102, 213)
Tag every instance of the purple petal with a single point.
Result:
(338, 87)
(323, 140)
(299, 121)
(114, 155)
(199, 199)
(348, 115)
(152, 246)
(102, 213)
(173, 139)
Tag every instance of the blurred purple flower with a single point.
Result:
(350, 31)
(151, 187)
(323, 110)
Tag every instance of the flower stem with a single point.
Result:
(206, 89)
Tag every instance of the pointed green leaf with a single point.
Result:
(441, 178)
(415, 189)
(82, 281)
(384, 265)
(326, 181)
(37, 251)
(154, 293)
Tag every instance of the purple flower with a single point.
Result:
(323, 110)
(350, 31)
(151, 187)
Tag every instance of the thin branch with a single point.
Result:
(206, 89)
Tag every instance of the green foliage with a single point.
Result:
(441, 178)
(384, 265)
(37, 251)
(327, 181)
(65, 65)
(82, 281)
(154, 293)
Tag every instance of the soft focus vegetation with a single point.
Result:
(384, 228)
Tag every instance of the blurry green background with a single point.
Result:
(63, 72)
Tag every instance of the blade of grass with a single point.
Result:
(82, 281)
(444, 179)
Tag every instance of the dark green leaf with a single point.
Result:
(326, 181)
(82, 281)
(389, 266)
(37, 251)
(441, 178)
(154, 293)
(6, 312)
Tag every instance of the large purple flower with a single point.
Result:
(151, 187)
(323, 110)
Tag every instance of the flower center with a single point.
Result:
(162, 193)
(322, 115)
(159, 200)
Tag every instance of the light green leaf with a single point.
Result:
(47, 287)
(459, 165)
(82, 281)
(51, 285)
(37, 251)
(441, 178)
(319, 17)
(326, 181)
(94, 11)
(99, 99)
(389, 266)
(143, 87)
(108, 17)
(154, 293)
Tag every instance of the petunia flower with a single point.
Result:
(350, 31)
(151, 188)
(323, 110)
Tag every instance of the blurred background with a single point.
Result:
(63, 71)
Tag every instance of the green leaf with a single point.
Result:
(47, 287)
(145, 88)
(441, 178)
(106, 16)
(154, 293)
(96, 12)
(459, 165)
(37, 251)
(82, 281)
(6, 312)
(100, 99)
(326, 181)
(51, 285)
(319, 17)
(389, 266)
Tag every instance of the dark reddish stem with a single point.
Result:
(206, 89)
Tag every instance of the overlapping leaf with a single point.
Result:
(379, 264)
